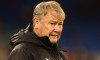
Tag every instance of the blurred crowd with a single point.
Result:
(4, 48)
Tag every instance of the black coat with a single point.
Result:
(28, 46)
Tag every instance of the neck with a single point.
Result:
(36, 32)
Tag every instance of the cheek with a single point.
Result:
(49, 31)
(46, 30)
(61, 29)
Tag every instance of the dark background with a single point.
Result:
(81, 32)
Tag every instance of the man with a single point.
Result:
(39, 42)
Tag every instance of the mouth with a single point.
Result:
(54, 36)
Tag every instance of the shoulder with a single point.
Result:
(20, 52)
(19, 49)
(24, 47)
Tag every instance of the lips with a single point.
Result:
(54, 35)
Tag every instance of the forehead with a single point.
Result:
(53, 15)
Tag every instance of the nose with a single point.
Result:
(57, 28)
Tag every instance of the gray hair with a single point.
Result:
(42, 9)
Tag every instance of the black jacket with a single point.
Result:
(28, 46)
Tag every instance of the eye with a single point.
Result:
(52, 23)
(60, 24)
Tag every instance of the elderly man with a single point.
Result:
(39, 41)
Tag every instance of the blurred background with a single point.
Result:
(81, 32)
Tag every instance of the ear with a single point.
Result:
(36, 22)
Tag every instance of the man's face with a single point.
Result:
(51, 25)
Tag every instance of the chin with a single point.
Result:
(54, 41)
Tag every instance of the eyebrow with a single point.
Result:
(52, 21)
(55, 21)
